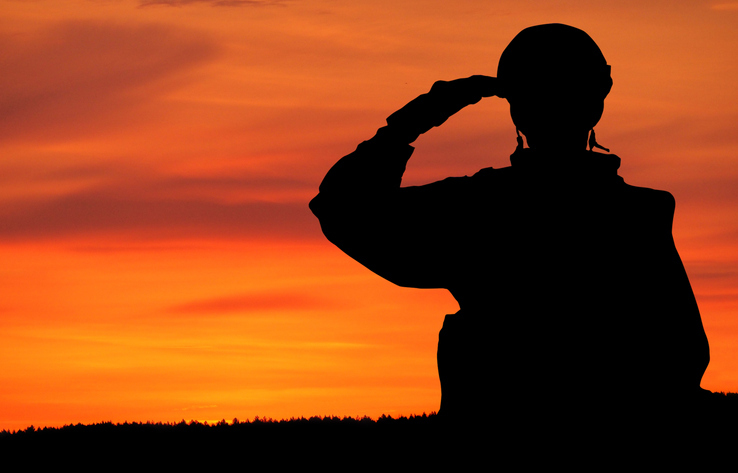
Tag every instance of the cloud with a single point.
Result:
(236, 188)
(105, 212)
(122, 199)
(725, 6)
(72, 77)
(215, 3)
(255, 303)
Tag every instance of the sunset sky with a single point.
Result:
(159, 260)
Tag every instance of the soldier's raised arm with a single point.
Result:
(363, 209)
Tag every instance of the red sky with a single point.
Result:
(159, 261)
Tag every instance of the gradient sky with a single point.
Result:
(159, 261)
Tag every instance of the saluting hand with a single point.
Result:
(444, 99)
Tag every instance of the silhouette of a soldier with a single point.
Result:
(569, 285)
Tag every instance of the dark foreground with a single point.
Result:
(709, 432)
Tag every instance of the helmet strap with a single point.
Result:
(520, 140)
(593, 142)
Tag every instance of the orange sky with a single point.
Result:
(159, 261)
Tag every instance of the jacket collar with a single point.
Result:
(581, 163)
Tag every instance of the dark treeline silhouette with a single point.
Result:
(333, 443)
(260, 442)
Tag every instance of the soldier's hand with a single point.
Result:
(444, 99)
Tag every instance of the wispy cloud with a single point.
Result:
(215, 3)
(725, 6)
(255, 302)
(106, 212)
(73, 75)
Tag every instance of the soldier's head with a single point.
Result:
(556, 79)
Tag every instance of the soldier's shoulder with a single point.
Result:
(491, 174)
(655, 197)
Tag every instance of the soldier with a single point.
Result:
(571, 291)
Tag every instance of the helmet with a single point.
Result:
(553, 60)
